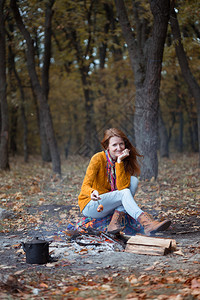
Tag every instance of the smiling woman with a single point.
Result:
(116, 147)
(110, 179)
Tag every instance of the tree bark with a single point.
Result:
(104, 45)
(12, 69)
(91, 143)
(192, 125)
(186, 72)
(110, 25)
(179, 140)
(146, 60)
(163, 137)
(45, 152)
(13, 106)
(44, 146)
(13, 129)
(23, 116)
(40, 90)
(4, 159)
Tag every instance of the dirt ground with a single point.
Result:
(102, 271)
(75, 262)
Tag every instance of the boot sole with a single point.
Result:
(116, 230)
(162, 227)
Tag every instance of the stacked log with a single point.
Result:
(141, 244)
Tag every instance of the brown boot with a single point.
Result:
(115, 223)
(150, 225)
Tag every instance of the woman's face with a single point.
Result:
(116, 146)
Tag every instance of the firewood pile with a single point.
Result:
(140, 244)
(98, 241)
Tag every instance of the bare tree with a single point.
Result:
(145, 46)
(41, 90)
(186, 71)
(4, 160)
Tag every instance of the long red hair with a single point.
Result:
(130, 162)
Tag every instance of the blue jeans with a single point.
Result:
(116, 200)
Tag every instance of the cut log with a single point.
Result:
(140, 249)
(152, 241)
(150, 245)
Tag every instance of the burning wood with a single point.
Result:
(99, 238)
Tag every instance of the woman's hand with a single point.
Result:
(95, 195)
(124, 154)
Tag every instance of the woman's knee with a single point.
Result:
(133, 184)
(134, 181)
(125, 192)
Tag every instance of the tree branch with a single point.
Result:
(126, 26)
(182, 57)
(47, 48)
(186, 71)
(30, 51)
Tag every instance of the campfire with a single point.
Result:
(92, 241)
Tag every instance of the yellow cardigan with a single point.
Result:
(96, 178)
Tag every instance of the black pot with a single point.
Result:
(37, 251)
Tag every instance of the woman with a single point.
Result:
(110, 179)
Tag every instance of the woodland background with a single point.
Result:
(71, 69)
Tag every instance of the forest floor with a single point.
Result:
(35, 203)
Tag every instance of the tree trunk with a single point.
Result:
(179, 141)
(195, 132)
(13, 129)
(191, 132)
(146, 61)
(91, 143)
(45, 151)
(186, 72)
(4, 160)
(12, 69)
(23, 116)
(13, 105)
(44, 146)
(181, 126)
(108, 8)
(39, 90)
(192, 125)
(90, 139)
(163, 137)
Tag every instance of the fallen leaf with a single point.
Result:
(195, 283)
(57, 238)
(179, 252)
(50, 265)
(19, 272)
(16, 245)
(70, 289)
(43, 285)
(150, 268)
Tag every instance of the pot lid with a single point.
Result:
(36, 240)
